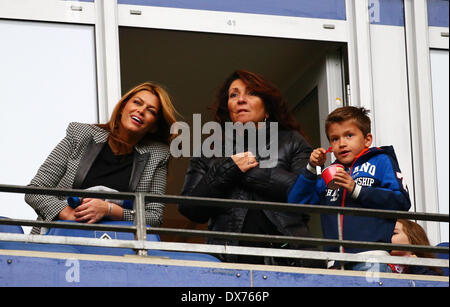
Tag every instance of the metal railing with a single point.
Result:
(140, 230)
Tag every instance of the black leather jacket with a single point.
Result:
(221, 178)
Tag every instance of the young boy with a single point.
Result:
(372, 179)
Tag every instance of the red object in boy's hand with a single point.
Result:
(328, 175)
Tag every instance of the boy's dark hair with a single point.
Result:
(358, 115)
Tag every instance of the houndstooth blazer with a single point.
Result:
(68, 164)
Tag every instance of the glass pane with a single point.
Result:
(47, 79)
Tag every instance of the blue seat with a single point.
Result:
(58, 248)
(10, 228)
(97, 249)
(115, 251)
(183, 256)
(102, 235)
(55, 248)
(443, 256)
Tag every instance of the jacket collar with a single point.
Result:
(100, 136)
(370, 152)
(95, 146)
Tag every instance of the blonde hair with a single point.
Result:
(166, 116)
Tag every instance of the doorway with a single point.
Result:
(192, 65)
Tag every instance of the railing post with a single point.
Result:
(139, 221)
(340, 236)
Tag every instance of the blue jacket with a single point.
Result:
(379, 185)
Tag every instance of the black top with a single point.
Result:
(256, 222)
(222, 178)
(110, 171)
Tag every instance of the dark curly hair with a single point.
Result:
(274, 102)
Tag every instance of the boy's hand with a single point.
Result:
(318, 157)
(343, 179)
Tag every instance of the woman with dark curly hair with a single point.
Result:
(246, 97)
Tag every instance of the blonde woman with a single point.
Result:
(130, 153)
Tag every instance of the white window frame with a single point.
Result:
(48, 10)
(232, 23)
(108, 57)
(438, 37)
(420, 38)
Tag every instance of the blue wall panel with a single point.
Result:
(29, 271)
(281, 279)
(438, 11)
(328, 9)
(36, 271)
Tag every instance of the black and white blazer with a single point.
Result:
(68, 164)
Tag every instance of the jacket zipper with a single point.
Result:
(345, 193)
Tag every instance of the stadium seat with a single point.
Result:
(183, 256)
(10, 228)
(443, 256)
(55, 248)
(101, 235)
(114, 251)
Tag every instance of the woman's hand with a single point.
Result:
(91, 210)
(245, 161)
(67, 214)
(343, 179)
(318, 157)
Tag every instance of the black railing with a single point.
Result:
(140, 230)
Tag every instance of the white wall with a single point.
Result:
(47, 79)
(440, 80)
(391, 102)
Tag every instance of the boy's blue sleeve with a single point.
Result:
(306, 189)
(390, 194)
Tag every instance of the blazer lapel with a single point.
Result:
(140, 159)
(91, 152)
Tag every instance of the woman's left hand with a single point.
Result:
(91, 210)
(343, 179)
(245, 161)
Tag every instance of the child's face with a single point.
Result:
(400, 237)
(347, 141)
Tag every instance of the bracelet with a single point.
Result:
(311, 169)
(110, 209)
